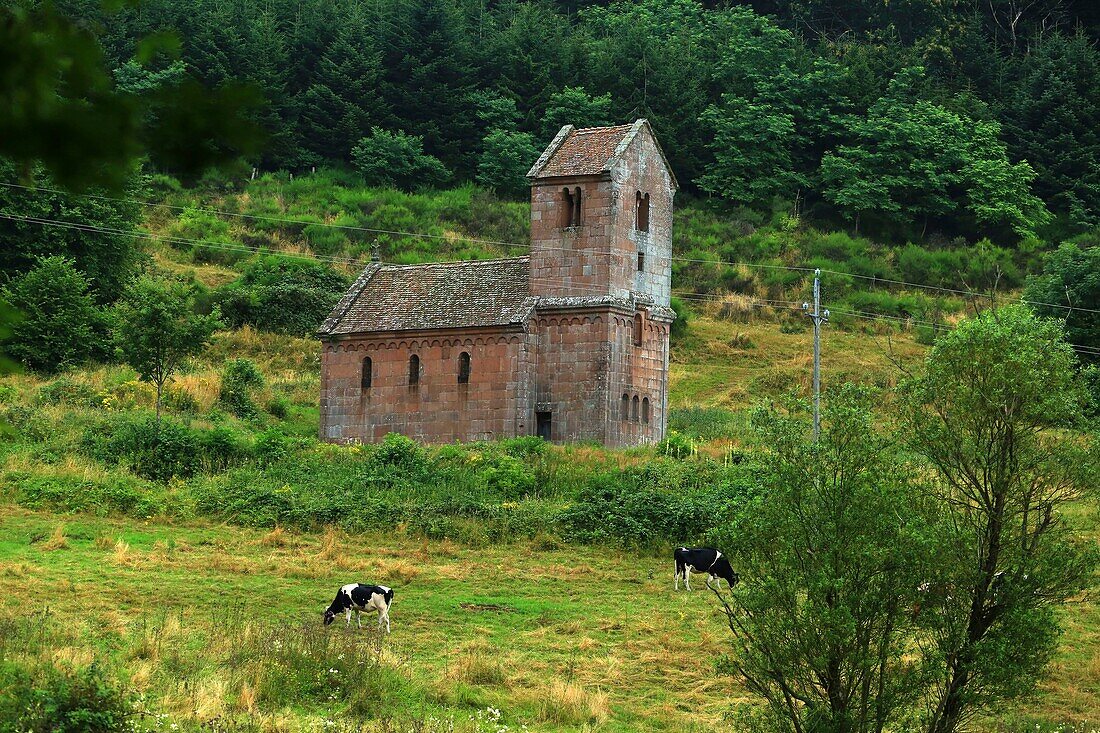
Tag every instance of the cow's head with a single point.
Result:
(330, 616)
(725, 571)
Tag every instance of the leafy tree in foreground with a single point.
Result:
(1071, 277)
(157, 329)
(60, 325)
(986, 415)
(396, 159)
(831, 554)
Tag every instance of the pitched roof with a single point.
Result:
(434, 296)
(584, 152)
(590, 151)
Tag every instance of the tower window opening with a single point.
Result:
(645, 410)
(625, 414)
(638, 328)
(642, 213)
(567, 207)
(641, 262)
(634, 409)
(414, 370)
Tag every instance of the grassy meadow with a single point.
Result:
(533, 582)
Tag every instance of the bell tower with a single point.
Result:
(601, 215)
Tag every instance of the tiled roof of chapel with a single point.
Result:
(442, 295)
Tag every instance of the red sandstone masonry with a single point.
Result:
(574, 357)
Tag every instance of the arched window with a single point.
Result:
(368, 373)
(464, 368)
(645, 410)
(639, 325)
(414, 370)
(577, 206)
(642, 211)
(634, 409)
(568, 208)
(625, 415)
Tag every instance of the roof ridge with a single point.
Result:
(455, 263)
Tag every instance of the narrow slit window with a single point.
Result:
(576, 207)
(634, 409)
(567, 207)
(414, 370)
(645, 410)
(641, 262)
(642, 211)
(464, 368)
(638, 327)
(626, 407)
(368, 373)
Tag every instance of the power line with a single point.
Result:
(696, 297)
(229, 247)
(500, 243)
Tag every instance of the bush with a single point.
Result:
(85, 701)
(683, 315)
(661, 502)
(60, 324)
(207, 237)
(112, 495)
(151, 449)
(239, 378)
(281, 294)
(222, 448)
(398, 160)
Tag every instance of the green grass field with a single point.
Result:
(558, 639)
(195, 618)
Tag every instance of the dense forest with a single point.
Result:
(902, 120)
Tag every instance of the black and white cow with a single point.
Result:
(361, 598)
(703, 560)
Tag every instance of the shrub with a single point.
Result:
(222, 448)
(239, 378)
(662, 501)
(278, 407)
(65, 390)
(111, 495)
(397, 160)
(284, 295)
(85, 701)
(60, 324)
(683, 315)
(399, 452)
(208, 238)
(156, 450)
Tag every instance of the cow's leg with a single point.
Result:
(713, 578)
(384, 618)
(676, 575)
(359, 618)
(348, 615)
(687, 577)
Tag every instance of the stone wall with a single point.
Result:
(638, 370)
(438, 409)
(571, 261)
(572, 370)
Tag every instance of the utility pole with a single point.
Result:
(819, 317)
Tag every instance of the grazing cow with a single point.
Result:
(360, 597)
(703, 560)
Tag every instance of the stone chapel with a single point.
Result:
(569, 342)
